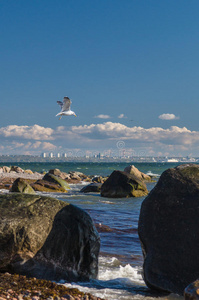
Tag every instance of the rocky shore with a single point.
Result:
(18, 287)
(120, 184)
(44, 237)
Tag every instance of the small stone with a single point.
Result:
(68, 297)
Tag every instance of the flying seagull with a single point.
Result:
(65, 108)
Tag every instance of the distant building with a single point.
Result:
(58, 155)
(51, 155)
(44, 155)
(64, 155)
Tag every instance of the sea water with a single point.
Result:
(120, 260)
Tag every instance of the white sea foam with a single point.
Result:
(152, 174)
(114, 280)
(3, 191)
(111, 268)
(106, 201)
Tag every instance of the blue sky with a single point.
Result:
(130, 67)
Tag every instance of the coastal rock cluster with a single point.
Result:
(54, 181)
(127, 183)
(168, 230)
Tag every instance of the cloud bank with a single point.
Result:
(36, 139)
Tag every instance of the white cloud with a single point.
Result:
(121, 116)
(102, 116)
(168, 117)
(34, 132)
(48, 146)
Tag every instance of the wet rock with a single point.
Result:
(21, 186)
(79, 176)
(47, 238)
(192, 291)
(99, 179)
(75, 176)
(103, 228)
(16, 169)
(6, 169)
(55, 179)
(168, 230)
(134, 171)
(91, 188)
(59, 173)
(28, 172)
(123, 185)
(49, 187)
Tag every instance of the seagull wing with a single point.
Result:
(66, 104)
(60, 103)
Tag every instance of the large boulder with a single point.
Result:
(51, 183)
(47, 238)
(58, 173)
(169, 230)
(21, 186)
(134, 171)
(123, 185)
(45, 186)
(55, 179)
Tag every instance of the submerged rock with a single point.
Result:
(47, 238)
(99, 179)
(21, 186)
(123, 185)
(92, 188)
(168, 230)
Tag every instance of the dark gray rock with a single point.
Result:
(47, 238)
(99, 179)
(169, 230)
(91, 188)
(123, 185)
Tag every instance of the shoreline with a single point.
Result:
(18, 287)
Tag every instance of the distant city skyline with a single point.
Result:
(130, 67)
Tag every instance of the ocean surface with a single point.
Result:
(120, 260)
